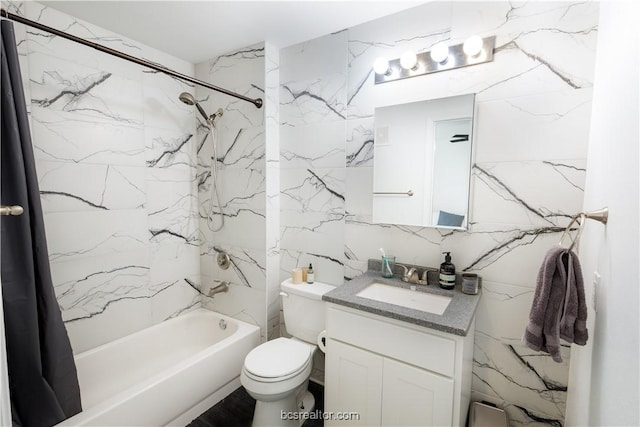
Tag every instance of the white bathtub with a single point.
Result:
(167, 374)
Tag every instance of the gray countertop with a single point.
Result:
(456, 319)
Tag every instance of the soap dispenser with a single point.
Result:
(447, 273)
(310, 274)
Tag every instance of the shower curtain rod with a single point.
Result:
(257, 101)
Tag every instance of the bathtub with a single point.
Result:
(167, 374)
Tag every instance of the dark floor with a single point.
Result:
(236, 410)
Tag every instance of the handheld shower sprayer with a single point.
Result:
(189, 99)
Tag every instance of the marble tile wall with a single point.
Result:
(533, 109)
(246, 194)
(116, 158)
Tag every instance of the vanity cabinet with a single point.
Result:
(393, 373)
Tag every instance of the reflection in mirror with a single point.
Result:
(422, 162)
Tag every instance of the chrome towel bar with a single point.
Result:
(406, 193)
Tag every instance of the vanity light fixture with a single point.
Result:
(381, 66)
(475, 50)
(409, 60)
(472, 46)
(440, 53)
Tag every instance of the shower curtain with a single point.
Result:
(42, 374)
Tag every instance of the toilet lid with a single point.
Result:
(277, 358)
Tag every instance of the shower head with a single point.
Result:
(188, 99)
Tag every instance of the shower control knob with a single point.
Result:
(14, 210)
(223, 260)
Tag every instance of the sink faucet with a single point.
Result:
(410, 275)
(221, 288)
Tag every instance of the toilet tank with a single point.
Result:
(304, 309)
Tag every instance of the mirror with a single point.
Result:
(422, 162)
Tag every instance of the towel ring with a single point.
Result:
(601, 215)
(580, 219)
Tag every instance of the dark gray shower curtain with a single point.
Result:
(42, 374)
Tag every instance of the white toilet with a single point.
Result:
(276, 373)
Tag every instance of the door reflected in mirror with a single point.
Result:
(422, 162)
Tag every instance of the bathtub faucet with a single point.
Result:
(221, 288)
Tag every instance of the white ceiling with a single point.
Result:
(200, 30)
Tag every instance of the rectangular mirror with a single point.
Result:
(422, 162)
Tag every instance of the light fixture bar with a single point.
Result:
(426, 65)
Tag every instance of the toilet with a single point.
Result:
(277, 372)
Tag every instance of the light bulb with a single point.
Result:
(473, 46)
(440, 52)
(409, 60)
(381, 66)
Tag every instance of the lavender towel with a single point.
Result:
(559, 309)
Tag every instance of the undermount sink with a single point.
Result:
(430, 303)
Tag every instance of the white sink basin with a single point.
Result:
(430, 303)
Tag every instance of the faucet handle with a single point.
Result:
(424, 279)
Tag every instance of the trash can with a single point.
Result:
(483, 415)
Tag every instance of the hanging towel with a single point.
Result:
(559, 309)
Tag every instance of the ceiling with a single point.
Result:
(200, 30)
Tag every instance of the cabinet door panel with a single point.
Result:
(415, 397)
(353, 383)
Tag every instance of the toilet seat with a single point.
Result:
(278, 360)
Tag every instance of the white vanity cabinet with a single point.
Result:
(394, 373)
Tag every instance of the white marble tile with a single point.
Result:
(171, 149)
(316, 58)
(414, 29)
(307, 190)
(176, 299)
(503, 311)
(161, 105)
(313, 232)
(64, 86)
(313, 101)
(242, 201)
(247, 268)
(360, 142)
(508, 371)
(327, 269)
(118, 320)
(173, 263)
(102, 187)
(40, 41)
(242, 71)
(537, 127)
(531, 193)
(240, 148)
(78, 138)
(72, 236)
(86, 289)
(412, 245)
(318, 145)
(502, 253)
(540, 32)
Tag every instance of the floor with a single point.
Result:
(236, 410)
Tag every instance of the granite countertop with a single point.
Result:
(456, 319)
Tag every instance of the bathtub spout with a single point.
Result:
(221, 288)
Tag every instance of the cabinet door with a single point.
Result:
(353, 383)
(415, 397)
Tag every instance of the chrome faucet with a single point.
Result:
(221, 288)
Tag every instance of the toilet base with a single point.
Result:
(286, 412)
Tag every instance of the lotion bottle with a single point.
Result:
(447, 273)
(310, 274)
